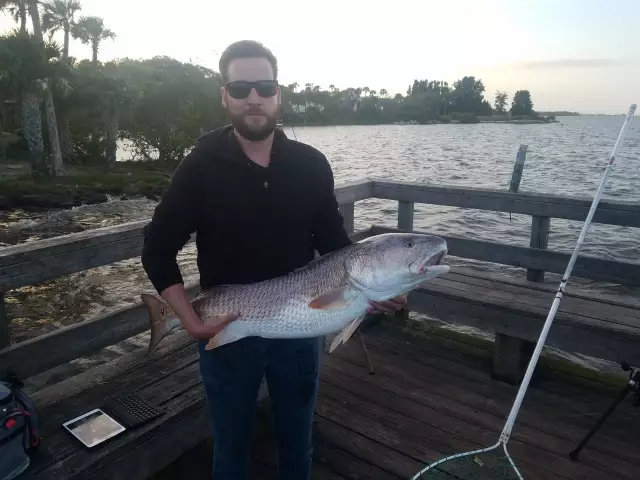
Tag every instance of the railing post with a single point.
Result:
(521, 156)
(539, 239)
(405, 215)
(347, 211)
(5, 338)
(405, 222)
(510, 354)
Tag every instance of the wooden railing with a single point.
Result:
(43, 260)
(536, 259)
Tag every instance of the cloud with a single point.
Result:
(561, 63)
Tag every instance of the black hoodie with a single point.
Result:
(252, 223)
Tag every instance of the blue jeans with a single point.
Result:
(232, 375)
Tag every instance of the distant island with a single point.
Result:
(426, 102)
(562, 113)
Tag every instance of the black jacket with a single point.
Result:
(252, 223)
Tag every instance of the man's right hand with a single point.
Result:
(203, 329)
(210, 327)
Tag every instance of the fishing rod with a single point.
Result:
(478, 462)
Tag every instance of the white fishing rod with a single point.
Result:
(506, 432)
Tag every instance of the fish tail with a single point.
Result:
(157, 323)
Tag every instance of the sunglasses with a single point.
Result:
(241, 89)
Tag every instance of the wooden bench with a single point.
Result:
(516, 312)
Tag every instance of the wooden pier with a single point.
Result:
(430, 396)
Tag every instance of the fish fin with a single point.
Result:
(229, 334)
(337, 340)
(346, 333)
(333, 299)
(157, 324)
(351, 328)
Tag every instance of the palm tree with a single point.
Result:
(23, 75)
(116, 97)
(18, 10)
(50, 111)
(91, 30)
(58, 15)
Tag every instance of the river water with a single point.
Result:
(568, 157)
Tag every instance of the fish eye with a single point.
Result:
(409, 244)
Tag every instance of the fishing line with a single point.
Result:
(489, 461)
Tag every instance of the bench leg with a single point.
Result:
(510, 358)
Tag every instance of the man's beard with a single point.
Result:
(254, 133)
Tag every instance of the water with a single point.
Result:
(566, 158)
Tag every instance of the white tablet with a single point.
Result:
(93, 427)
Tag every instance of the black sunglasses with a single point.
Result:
(241, 89)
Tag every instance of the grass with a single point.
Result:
(83, 184)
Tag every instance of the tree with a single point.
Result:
(501, 101)
(522, 104)
(467, 97)
(58, 15)
(172, 104)
(18, 10)
(24, 76)
(50, 111)
(91, 31)
(100, 100)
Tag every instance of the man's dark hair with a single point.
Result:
(246, 49)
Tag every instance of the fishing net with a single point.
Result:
(495, 462)
(487, 463)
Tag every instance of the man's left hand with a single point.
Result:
(389, 306)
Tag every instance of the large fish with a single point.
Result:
(330, 294)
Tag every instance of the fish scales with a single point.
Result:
(280, 308)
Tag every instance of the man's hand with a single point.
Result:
(389, 306)
(211, 327)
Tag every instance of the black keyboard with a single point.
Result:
(131, 410)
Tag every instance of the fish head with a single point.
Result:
(387, 265)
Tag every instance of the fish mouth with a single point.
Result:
(430, 264)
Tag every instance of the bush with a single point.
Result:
(466, 117)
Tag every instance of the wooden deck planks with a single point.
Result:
(385, 408)
(555, 399)
(430, 397)
(177, 388)
(526, 446)
(474, 412)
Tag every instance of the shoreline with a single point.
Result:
(430, 122)
(83, 184)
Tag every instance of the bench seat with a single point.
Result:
(515, 311)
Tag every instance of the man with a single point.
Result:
(260, 204)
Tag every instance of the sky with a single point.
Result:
(577, 55)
